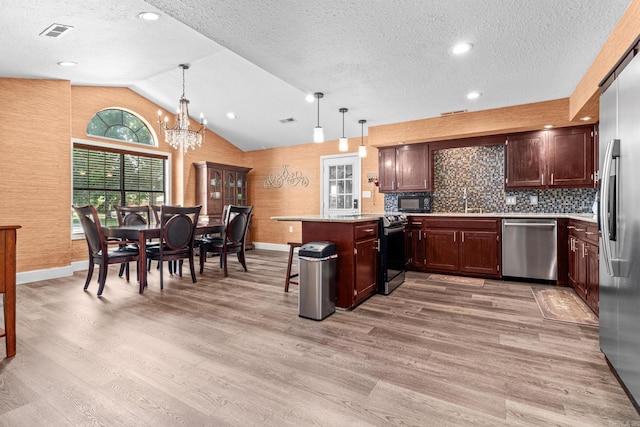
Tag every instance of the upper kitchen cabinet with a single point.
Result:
(405, 168)
(570, 159)
(387, 169)
(558, 158)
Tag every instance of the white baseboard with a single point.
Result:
(272, 246)
(57, 272)
(50, 273)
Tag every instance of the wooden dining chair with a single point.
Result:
(233, 237)
(178, 225)
(98, 245)
(134, 215)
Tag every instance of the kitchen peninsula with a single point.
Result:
(356, 239)
(357, 242)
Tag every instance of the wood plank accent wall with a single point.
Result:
(35, 166)
(298, 200)
(518, 118)
(584, 100)
(35, 169)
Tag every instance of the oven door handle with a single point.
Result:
(393, 230)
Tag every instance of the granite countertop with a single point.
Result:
(579, 216)
(331, 218)
(373, 216)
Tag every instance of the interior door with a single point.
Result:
(340, 185)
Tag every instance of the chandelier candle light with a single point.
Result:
(180, 135)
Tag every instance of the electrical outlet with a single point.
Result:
(533, 200)
(511, 200)
(291, 229)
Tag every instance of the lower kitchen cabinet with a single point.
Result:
(469, 246)
(584, 262)
(357, 263)
(441, 250)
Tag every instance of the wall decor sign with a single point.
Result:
(285, 177)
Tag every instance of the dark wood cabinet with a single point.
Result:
(469, 246)
(441, 249)
(524, 160)
(366, 273)
(584, 262)
(556, 158)
(413, 168)
(8, 285)
(218, 185)
(405, 169)
(478, 254)
(387, 169)
(357, 263)
(593, 277)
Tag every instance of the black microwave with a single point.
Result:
(414, 204)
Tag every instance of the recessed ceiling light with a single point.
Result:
(149, 16)
(67, 63)
(474, 95)
(461, 48)
(584, 119)
(548, 126)
(310, 97)
(231, 115)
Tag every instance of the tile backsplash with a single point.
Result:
(480, 170)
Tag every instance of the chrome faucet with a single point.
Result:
(464, 197)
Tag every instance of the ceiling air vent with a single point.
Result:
(56, 30)
(451, 113)
(287, 120)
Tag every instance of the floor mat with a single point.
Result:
(456, 280)
(564, 305)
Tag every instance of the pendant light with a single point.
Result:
(362, 150)
(344, 142)
(318, 133)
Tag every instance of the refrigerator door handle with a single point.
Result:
(612, 153)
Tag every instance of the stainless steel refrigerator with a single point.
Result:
(619, 220)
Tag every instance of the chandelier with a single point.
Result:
(180, 135)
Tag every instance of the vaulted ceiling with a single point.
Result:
(386, 61)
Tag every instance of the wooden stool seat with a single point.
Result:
(292, 246)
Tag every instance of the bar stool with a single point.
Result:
(292, 246)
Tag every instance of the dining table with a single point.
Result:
(142, 233)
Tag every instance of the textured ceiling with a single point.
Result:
(387, 61)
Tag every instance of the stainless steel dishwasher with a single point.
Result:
(529, 248)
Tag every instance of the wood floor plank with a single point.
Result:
(233, 351)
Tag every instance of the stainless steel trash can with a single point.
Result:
(317, 284)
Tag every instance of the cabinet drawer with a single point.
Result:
(583, 230)
(477, 223)
(591, 233)
(369, 229)
(415, 221)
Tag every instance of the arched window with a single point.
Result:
(121, 125)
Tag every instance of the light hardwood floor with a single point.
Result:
(234, 352)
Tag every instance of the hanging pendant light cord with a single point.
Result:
(343, 110)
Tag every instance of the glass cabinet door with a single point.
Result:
(241, 189)
(230, 188)
(214, 207)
